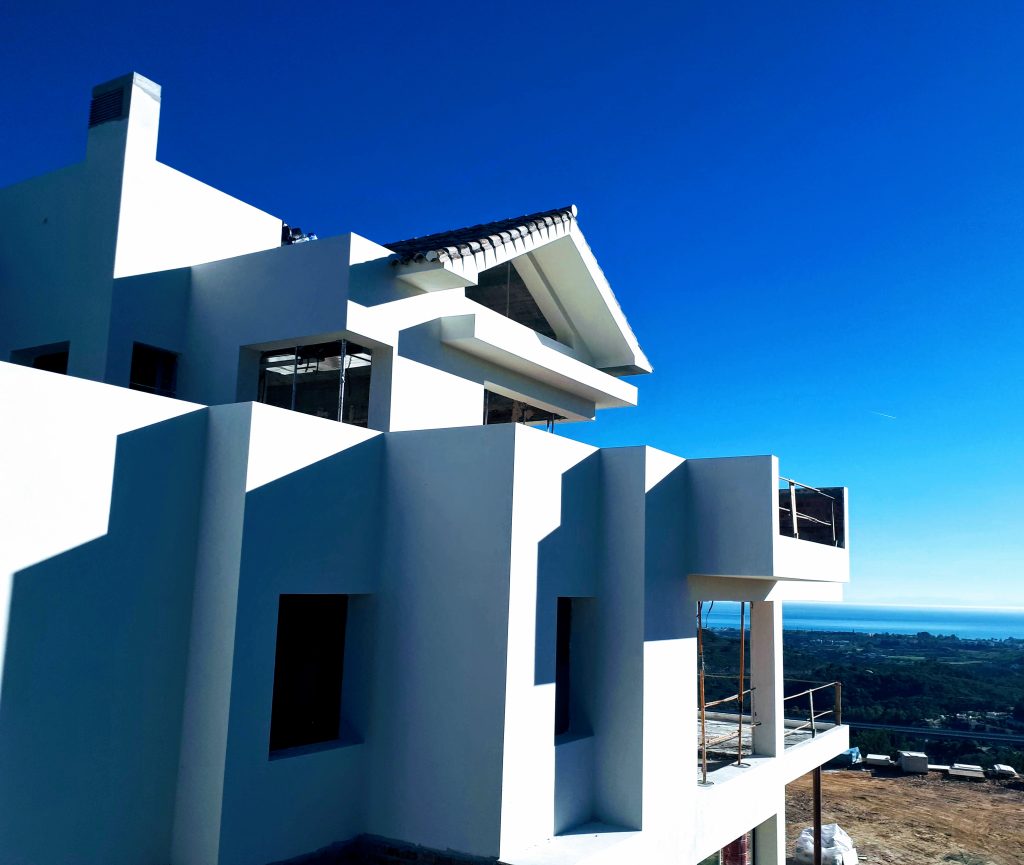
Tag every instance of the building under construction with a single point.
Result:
(294, 563)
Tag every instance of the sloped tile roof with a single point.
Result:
(448, 245)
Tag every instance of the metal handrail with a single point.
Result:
(811, 723)
(795, 515)
(805, 487)
(836, 710)
(728, 699)
(739, 696)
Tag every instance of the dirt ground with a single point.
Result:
(916, 820)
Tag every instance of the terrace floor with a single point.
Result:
(723, 753)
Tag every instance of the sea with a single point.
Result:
(971, 623)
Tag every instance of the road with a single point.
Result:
(934, 733)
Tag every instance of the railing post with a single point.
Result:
(817, 816)
(792, 508)
(743, 640)
(839, 703)
(703, 708)
(810, 699)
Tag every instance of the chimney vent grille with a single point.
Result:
(106, 106)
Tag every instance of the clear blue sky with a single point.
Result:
(812, 213)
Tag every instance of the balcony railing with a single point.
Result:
(794, 704)
(725, 738)
(812, 514)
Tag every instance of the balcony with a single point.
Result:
(811, 514)
(740, 786)
(728, 739)
(748, 521)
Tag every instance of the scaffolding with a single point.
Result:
(740, 697)
(739, 851)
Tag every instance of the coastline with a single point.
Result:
(974, 623)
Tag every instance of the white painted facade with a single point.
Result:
(148, 541)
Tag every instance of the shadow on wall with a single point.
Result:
(94, 674)
(566, 649)
(567, 559)
(585, 648)
(665, 559)
(315, 531)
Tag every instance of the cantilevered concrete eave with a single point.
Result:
(494, 338)
(569, 267)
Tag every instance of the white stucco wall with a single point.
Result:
(438, 705)
(555, 530)
(57, 248)
(58, 444)
(96, 598)
(170, 220)
(733, 520)
(329, 508)
(291, 295)
(147, 542)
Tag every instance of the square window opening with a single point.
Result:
(502, 409)
(51, 358)
(154, 370)
(563, 667)
(329, 380)
(308, 670)
(575, 642)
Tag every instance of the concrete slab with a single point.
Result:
(584, 844)
(967, 774)
(913, 761)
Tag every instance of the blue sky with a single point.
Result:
(812, 213)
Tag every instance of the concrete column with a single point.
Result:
(770, 840)
(766, 677)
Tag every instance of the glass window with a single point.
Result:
(330, 380)
(502, 289)
(503, 409)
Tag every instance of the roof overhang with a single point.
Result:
(561, 271)
(494, 338)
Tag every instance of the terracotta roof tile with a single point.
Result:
(448, 245)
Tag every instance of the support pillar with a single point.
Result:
(766, 678)
(770, 840)
(817, 816)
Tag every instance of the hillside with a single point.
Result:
(915, 820)
(903, 679)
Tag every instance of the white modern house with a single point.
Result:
(291, 561)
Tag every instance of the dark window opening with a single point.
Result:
(308, 670)
(56, 361)
(51, 358)
(502, 289)
(153, 370)
(330, 380)
(563, 666)
(503, 409)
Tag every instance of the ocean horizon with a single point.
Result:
(975, 623)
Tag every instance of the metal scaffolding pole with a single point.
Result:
(817, 816)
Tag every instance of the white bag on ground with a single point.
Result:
(836, 847)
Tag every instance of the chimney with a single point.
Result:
(124, 118)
